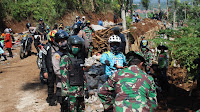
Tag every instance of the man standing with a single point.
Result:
(148, 58)
(41, 28)
(116, 31)
(163, 65)
(8, 42)
(134, 90)
(143, 44)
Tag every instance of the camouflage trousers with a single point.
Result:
(73, 104)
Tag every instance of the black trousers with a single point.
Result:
(10, 52)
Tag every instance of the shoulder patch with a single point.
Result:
(57, 56)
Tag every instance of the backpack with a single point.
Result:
(75, 71)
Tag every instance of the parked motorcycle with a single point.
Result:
(25, 48)
(39, 62)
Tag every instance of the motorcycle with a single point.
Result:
(39, 62)
(25, 48)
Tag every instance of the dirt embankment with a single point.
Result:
(67, 19)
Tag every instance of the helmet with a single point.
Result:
(88, 22)
(51, 35)
(61, 25)
(115, 41)
(83, 17)
(114, 38)
(28, 25)
(10, 30)
(61, 34)
(6, 30)
(142, 37)
(40, 19)
(76, 28)
(75, 40)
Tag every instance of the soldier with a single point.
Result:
(134, 90)
(143, 44)
(87, 35)
(61, 41)
(72, 76)
(148, 58)
(163, 65)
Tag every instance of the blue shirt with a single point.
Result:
(118, 59)
(100, 22)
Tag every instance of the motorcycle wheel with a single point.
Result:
(21, 54)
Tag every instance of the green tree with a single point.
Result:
(145, 4)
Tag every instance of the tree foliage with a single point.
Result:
(145, 4)
(185, 47)
(50, 10)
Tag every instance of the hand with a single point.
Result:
(45, 75)
(107, 62)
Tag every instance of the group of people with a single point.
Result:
(136, 18)
(128, 85)
(6, 41)
(160, 67)
(127, 88)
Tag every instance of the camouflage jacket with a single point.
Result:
(135, 91)
(148, 58)
(162, 60)
(66, 89)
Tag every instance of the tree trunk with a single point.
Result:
(123, 16)
(92, 5)
(174, 19)
(167, 9)
(159, 5)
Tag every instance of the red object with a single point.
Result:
(8, 42)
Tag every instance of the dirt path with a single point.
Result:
(21, 90)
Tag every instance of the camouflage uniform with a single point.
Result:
(163, 64)
(74, 94)
(88, 39)
(135, 91)
(148, 58)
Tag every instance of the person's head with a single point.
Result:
(135, 58)
(61, 26)
(40, 21)
(55, 27)
(116, 30)
(51, 36)
(114, 43)
(75, 44)
(28, 25)
(88, 23)
(61, 39)
(6, 30)
(142, 37)
(76, 28)
(10, 30)
(83, 18)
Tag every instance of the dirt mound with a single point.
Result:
(67, 19)
(140, 28)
